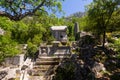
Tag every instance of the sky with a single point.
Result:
(73, 6)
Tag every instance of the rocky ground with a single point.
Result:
(91, 62)
(16, 72)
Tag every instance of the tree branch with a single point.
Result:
(21, 16)
(2, 13)
(40, 5)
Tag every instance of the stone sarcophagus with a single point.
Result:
(59, 32)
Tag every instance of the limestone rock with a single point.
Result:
(97, 69)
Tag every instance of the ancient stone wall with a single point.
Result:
(16, 60)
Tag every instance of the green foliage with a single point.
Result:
(117, 45)
(8, 47)
(114, 43)
(19, 32)
(66, 72)
(86, 40)
(70, 25)
(115, 76)
(31, 50)
(3, 25)
(30, 30)
(110, 40)
(70, 32)
(17, 10)
(115, 21)
(99, 15)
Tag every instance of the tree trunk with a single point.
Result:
(104, 37)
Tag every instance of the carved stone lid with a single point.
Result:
(58, 28)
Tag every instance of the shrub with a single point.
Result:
(65, 72)
(87, 40)
(115, 76)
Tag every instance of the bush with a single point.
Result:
(86, 40)
(31, 50)
(65, 72)
(110, 40)
(115, 76)
(117, 45)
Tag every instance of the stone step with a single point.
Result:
(62, 55)
(57, 55)
(42, 66)
(41, 70)
(51, 58)
(47, 59)
(47, 63)
(36, 72)
(37, 78)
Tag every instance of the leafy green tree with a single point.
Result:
(8, 47)
(31, 30)
(18, 9)
(6, 24)
(115, 21)
(19, 32)
(31, 50)
(99, 15)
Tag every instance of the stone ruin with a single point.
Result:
(60, 34)
(54, 50)
(76, 29)
(14, 61)
(49, 57)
